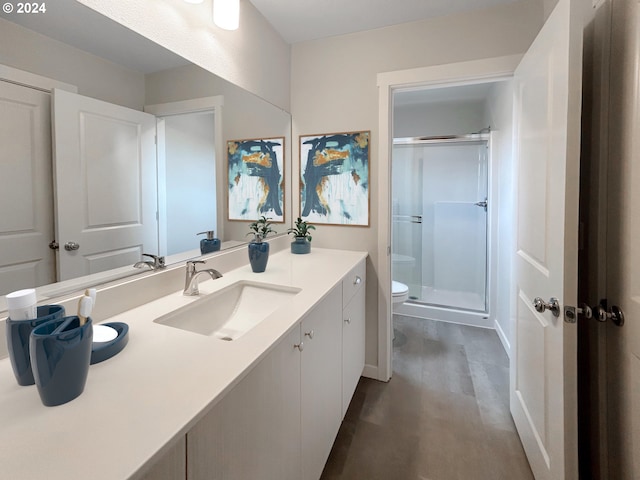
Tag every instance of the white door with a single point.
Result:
(106, 186)
(26, 190)
(547, 139)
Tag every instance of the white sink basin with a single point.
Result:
(230, 312)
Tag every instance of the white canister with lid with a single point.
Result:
(21, 304)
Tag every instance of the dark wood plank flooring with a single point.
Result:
(443, 416)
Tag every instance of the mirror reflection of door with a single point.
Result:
(186, 180)
(106, 184)
(26, 197)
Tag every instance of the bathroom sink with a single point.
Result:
(230, 312)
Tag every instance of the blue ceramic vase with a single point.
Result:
(300, 245)
(258, 256)
(18, 332)
(60, 359)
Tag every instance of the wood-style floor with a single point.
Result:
(443, 416)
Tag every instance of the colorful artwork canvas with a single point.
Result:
(334, 184)
(256, 179)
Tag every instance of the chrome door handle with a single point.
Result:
(70, 246)
(309, 334)
(484, 204)
(553, 305)
(613, 313)
(357, 280)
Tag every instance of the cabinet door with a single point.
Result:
(171, 466)
(321, 383)
(353, 345)
(254, 432)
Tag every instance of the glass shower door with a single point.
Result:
(450, 249)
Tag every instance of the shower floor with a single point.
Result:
(447, 298)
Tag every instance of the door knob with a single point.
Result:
(70, 246)
(614, 313)
(553, 305)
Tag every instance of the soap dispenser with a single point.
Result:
(209, 244)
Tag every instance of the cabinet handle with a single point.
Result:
(347, 321)
(309, 334)
(299, 346)
(357, 280)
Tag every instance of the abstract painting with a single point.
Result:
(256, 179)
(334, 178)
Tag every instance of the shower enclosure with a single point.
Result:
(440, 218)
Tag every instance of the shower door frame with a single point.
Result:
(448, 75)
(423, 309)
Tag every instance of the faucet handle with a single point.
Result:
(158, 261)
(191, 264)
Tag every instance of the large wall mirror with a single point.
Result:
(152, 189)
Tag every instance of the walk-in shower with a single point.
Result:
(440, 222)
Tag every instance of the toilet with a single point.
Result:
(399, 292)
(399, 295)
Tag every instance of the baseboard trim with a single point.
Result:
(370, 371)
(503, 338)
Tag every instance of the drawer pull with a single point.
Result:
(347, 321)
(357, 280)
(309, 334)
(299, 346)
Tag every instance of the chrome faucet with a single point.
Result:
(155, 263)
(191, 280)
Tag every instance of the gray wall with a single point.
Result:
(333, 89)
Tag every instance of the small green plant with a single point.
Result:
(260, 229)
(301, 229)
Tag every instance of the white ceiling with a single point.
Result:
(301, 20)
(296, 20)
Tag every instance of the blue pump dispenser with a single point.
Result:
(209, 244)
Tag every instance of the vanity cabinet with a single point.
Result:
(321, 361)
(254, 431)
(172, 465)
(353, 332)
(280, 421)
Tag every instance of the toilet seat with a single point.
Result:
(399, 292)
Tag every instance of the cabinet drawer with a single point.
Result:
(353, 282)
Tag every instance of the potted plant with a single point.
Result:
(302, 241)
(258, 248)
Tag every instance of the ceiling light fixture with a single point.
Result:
(226, 14)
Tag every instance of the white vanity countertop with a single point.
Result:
(137, 403)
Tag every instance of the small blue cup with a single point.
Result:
(18, 332)
(60, 356)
